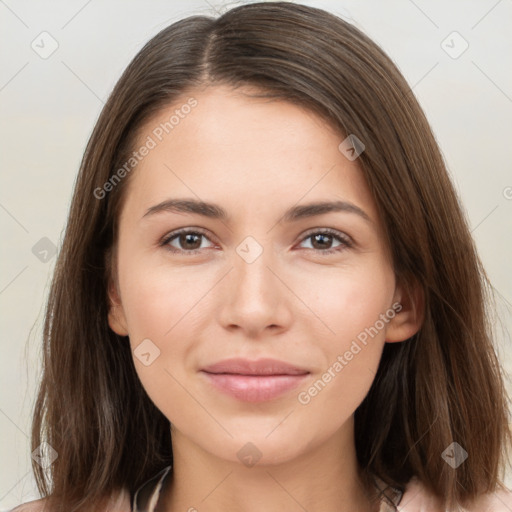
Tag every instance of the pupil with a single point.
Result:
(321, 237)
(188, 239)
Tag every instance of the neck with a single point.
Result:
(325, 478)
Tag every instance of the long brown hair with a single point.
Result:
(441, 386)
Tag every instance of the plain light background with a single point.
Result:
(49, 107)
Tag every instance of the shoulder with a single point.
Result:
(31, 506)
(499, 501)
(119, 502)
(417, 499)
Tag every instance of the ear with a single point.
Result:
(409, 318)
(116, 316)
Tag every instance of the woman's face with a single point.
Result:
(260, 275)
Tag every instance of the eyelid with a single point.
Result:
(329, 231)
(346, 241)
(164, 241)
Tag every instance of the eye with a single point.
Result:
(187, 241)
(322, 241)
(190, 241)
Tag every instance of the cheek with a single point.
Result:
(158, 297)
(159, 305)
(164, 304)
(351, 307)
(349, 302)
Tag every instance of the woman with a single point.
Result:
(323, 344)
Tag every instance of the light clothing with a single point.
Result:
(414, 499)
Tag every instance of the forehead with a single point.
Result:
(220, 143)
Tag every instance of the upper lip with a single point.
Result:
(264, 366)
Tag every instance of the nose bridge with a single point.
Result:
(255, 298)
(253, 281)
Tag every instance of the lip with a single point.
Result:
(254, 381)
(265, 366)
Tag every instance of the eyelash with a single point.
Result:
(346, 242)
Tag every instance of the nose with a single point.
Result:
(254, 299)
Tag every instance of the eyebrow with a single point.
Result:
(295, 213)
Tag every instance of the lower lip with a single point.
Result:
(254, 388)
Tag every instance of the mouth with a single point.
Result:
(254, 381)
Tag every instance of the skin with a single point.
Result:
(255, 158)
